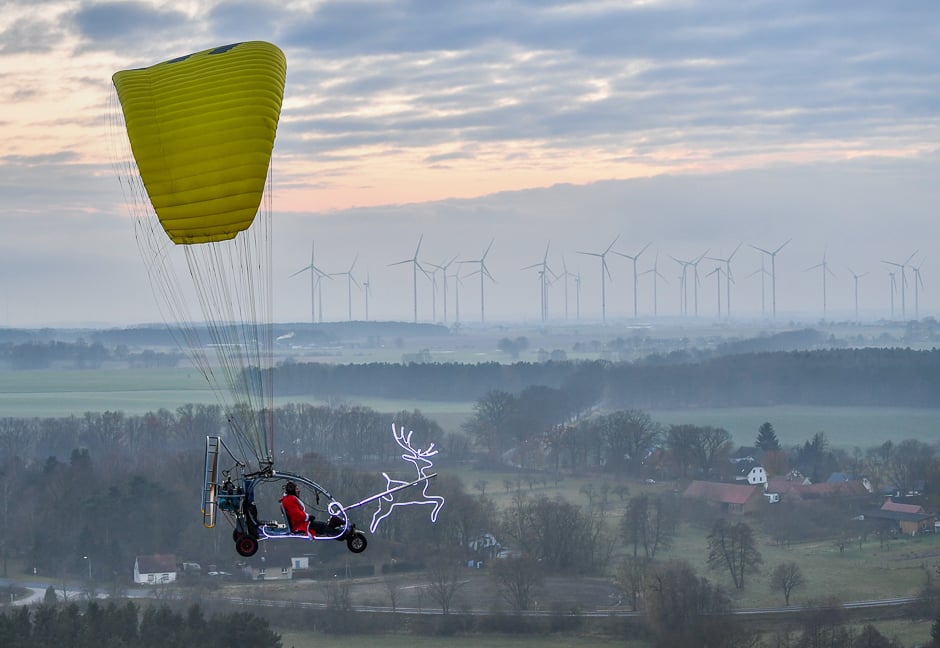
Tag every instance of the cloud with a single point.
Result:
(127, 26)
(29, 36)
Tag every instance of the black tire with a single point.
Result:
(357, 542)
(235, 535)
(246, 546)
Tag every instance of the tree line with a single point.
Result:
(847, 377)
(113, 625)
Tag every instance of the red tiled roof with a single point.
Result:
(815, 491)
(719, 492)
(832, 489)
(891, 505)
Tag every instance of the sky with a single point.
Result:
(678, 128)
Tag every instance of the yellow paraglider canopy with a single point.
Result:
(202, 128)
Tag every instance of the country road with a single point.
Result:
(37, 592)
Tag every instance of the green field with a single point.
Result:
(66, 392)
(845, 427)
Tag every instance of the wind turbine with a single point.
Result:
(683, 291)
(565, 275)
(577, 295)
(543, 273)
(918, 283)
(443, 268)
(728, 278)
(717, 271)
(656, 274)
(683, 282)
(350, 280)
(694, 265)
(773, 274)
(894, 289)
(416, 265)
(604, 274)
(901, 266)
(825, 270)
(366, 289)
(316, 275)
(634, 259)
(856, 277)
(763, 286)
(457, 284)
(484, 272)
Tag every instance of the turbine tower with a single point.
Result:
(565, 275)
(350, 280)
(484, 273)
(316, 275)
(416, 265)
(656, 276)
(634, 259)
(366, 290)
(918, 283)
(717, 271)
(825, 270)
(543, 273)
(763, 286)
(443, 268)
(604, 274)
(856, 277)
(901, 267)
(773, 274)
(577, 296)
(729, 279)
(894, 289)
(683, 288)
(694, 265)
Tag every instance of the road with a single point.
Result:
(37, 592)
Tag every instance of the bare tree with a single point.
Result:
(519, 580)
(686, 610)
(444, 574)
(392, 587)
(630, 577)
(785, 578)
(489, 425)
(650, 522)
(732, 547)
(908, 465)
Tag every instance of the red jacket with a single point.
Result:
(296, 514)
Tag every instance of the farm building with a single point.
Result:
(734, 498)
(155, 569)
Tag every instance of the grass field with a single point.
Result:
(844, 427)
(66, 392)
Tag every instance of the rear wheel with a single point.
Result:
(357, 542)
(246, 546)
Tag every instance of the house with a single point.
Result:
(278, 561)
(750, 472)
(485, 545)
(155, 569)
(735, 498)
(908, 519)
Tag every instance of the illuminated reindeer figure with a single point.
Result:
(408, 496)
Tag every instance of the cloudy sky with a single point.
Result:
(696, 127)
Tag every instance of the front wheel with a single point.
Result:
(246, 546)
(357, 542)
